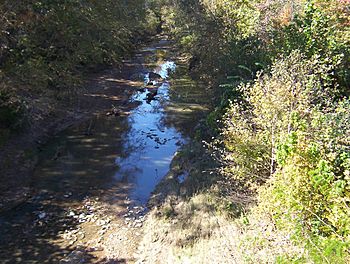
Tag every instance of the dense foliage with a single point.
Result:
(235, 39)
(283, 70)
(300, 147)
(45, 46)
(44, 43)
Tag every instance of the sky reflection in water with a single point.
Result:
(151, 144)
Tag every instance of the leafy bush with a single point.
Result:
(262, 119)
(319, 29)
(311, 187)
(219, 34)
(48, 43)
(289, 127)
(287, 131)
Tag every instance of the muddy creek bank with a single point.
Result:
(93, 180)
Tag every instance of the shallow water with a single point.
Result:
(132, 152)
(151, 145)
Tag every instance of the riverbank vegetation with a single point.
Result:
(280, 132)
(269, 176)
(47, 48)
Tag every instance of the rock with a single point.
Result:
(101, 222)
(102, 232)
(151, 95)
(71, 213)
(67, 195)
(74, 257)
(81, 235)
(42, 215)
(94, 249)
(154, 76)
(178, 143)
(106, 227)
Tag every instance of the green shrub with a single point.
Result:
(253, 127)
(48, 43)
(318, 30)
(290, 131)
(310, 191)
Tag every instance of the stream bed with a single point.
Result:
(117, 159)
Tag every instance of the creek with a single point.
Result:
(119, 161)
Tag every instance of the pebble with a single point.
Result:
(105, 227)
(71, 213)
(81, 216)
(102, 232)
(101, 222)
(42, 215)
(93, 249)
(82, 235)
(67, 195)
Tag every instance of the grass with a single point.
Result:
(187, 225)
(194, 222)
(193, 233)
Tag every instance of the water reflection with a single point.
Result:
(119, 156)
(152, 142)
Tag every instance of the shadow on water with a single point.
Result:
(124, 156)
(82, 158)
(189, 102)
(73, 166)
